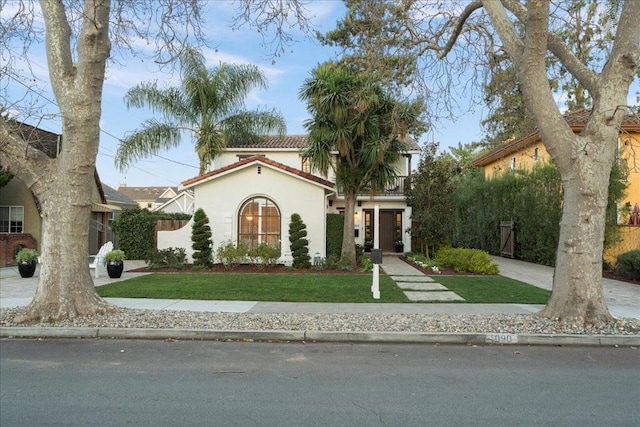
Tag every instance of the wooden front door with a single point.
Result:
(387, 230)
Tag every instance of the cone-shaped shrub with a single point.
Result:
(201, 238)
(299, 245)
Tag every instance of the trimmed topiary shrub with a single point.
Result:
(201, 238)
(466, 260)
(299, 245)
(335, 227)
(628, 265)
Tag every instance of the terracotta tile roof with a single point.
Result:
(144, 193)
(297, 142)
(576, 119)
(275, 141)
(258, 159)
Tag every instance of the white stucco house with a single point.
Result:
(250, 192)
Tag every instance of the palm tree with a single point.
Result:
(209, 105)
(353, 117)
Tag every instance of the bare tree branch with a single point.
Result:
(460, 22)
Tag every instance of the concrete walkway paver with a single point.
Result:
(407, 278)
(433, 296)
(413, 279)
(412, 286)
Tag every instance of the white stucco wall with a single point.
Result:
(222, 198)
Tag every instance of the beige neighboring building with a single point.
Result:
(20, 221)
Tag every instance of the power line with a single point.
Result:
(155, 155)
(101, 130)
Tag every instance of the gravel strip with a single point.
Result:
(496, 323)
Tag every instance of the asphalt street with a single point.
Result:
(140, 382)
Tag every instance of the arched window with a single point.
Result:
(259, 222)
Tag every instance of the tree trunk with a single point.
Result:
(348, 239)
(65, 287)
(577, 282)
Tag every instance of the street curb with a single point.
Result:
(323, 336)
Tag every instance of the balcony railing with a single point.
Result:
(396, 188)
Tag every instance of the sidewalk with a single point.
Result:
(623, 299)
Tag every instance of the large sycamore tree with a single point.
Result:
(79, 38)
(440, 43)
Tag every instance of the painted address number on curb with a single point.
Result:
(502, 338)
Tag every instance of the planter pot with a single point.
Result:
(114, 269)
(399, 248)
(367, 248)
(27, 269)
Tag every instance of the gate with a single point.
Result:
(507, 239)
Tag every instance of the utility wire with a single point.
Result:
(102, 130)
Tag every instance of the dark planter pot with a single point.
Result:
(114, 269)
(367, 248)
(399, 248)
(27, 269)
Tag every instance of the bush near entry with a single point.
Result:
(628, 265)
(466, 260)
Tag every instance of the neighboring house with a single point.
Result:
(251, 191)
(116, 198)
(527, 151)
(166, 199)
(20, 222)
(180, 203)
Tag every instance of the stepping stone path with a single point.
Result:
(423, 288)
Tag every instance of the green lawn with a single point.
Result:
(256, 287)
(348, 288)
(494, 289)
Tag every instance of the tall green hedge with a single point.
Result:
(532, 200)
(335, 227)
(135, 232)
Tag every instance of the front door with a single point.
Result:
(390, 223)
(387, 230)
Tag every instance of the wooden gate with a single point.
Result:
(507, 239)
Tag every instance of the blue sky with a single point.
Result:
(285, 76)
